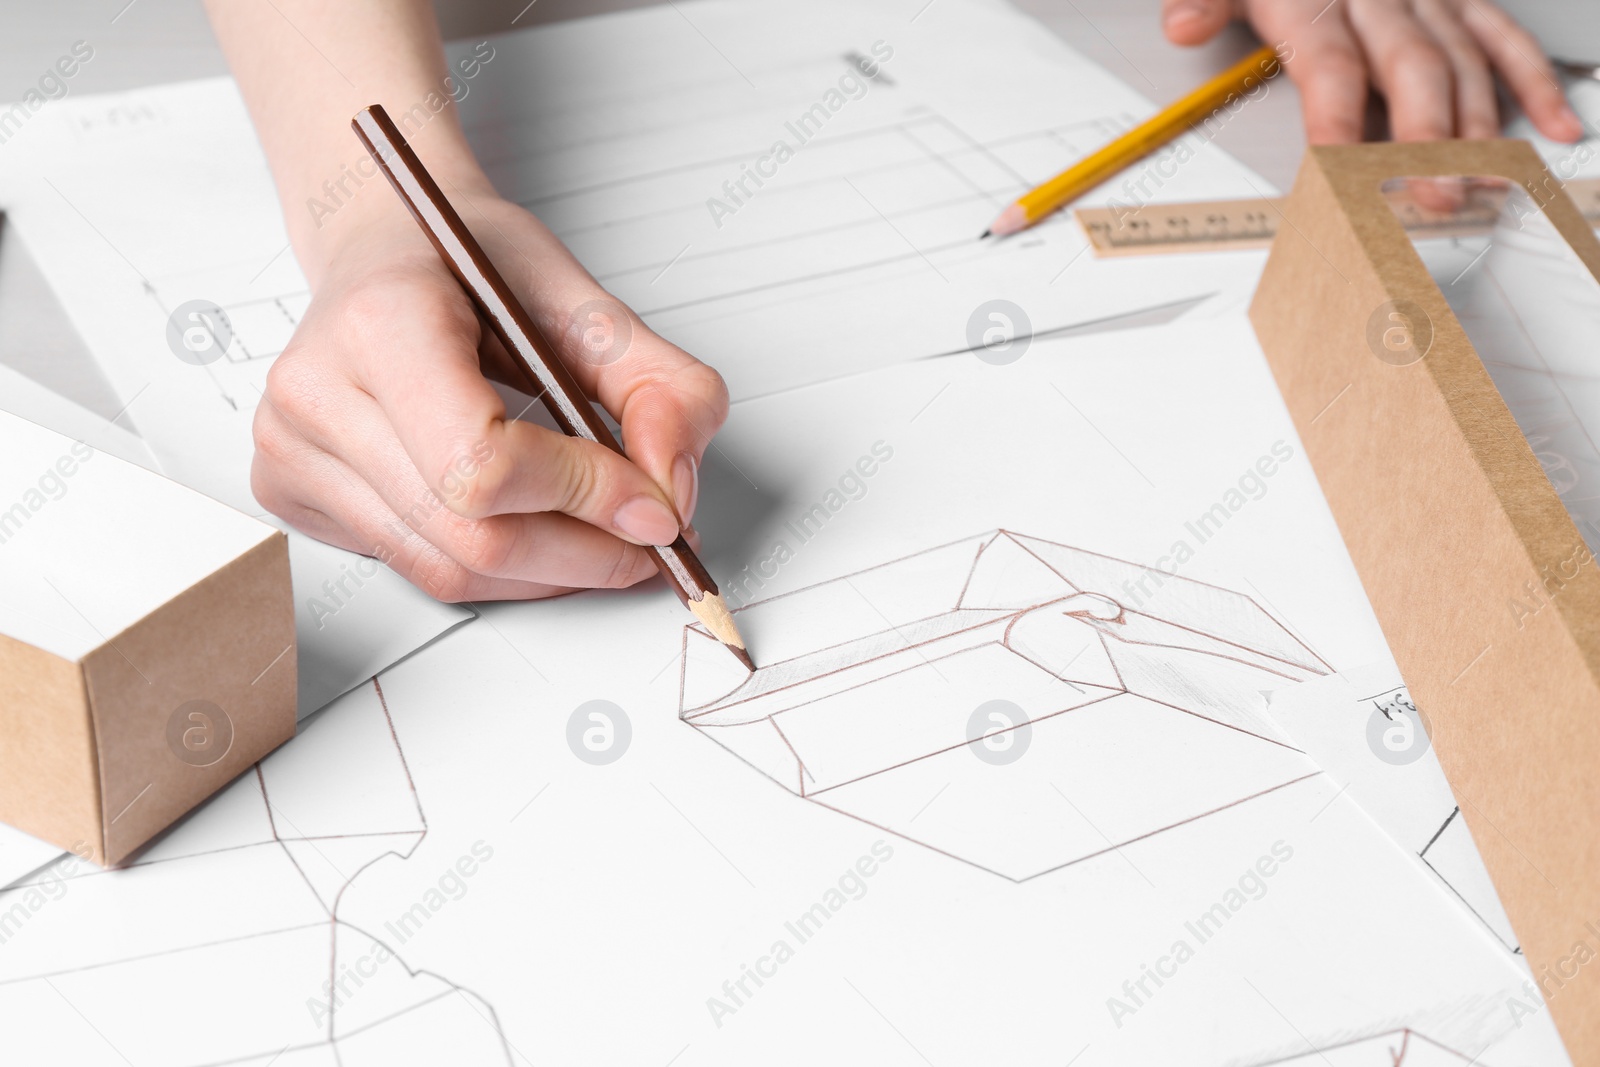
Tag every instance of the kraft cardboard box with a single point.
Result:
(1451, 518)
(147, 649)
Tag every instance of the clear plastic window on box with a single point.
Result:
(1531, 309)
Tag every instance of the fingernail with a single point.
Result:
(1186, 13)
(646, 519)
(685, 484)
(1573, 122)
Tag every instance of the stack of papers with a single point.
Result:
(1083, 781)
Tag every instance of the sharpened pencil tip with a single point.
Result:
(1012, 220)
(984, 234)
(713, 611)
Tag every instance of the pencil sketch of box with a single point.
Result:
(875, 699)
(1396, 1048)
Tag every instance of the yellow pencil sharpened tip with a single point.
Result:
(1012, 220)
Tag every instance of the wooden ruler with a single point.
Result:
(1226, 225)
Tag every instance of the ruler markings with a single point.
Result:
(1228, 225)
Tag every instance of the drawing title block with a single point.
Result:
(1429, 312)
(146, 644)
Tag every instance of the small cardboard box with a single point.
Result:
(147, 645)
(1452, 522)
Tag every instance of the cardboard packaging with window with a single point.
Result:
(1431, 314)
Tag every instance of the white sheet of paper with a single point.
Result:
(730, 175)
(881, 194)
(500, 893)
(152, 210)
(22, 854)
(448, 869)
(1363, 731)
(23, 396)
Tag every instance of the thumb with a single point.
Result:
(525, 468)
(1191, 22)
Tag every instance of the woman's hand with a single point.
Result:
(380, 433)
(1434, 61)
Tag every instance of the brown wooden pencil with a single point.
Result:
(547, 376)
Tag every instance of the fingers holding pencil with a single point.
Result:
(378, 420)
(543, 370)
(380, 433)
(506, 557)
(668, 404)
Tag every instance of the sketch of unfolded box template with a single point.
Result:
(1001, 700)
(242, 952)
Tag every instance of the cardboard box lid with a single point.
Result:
(71, 516)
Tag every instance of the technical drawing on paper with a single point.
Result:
(924, 171)
(1396, 1048)
(250, 886)
(1449, 852)
(1333, 720)
(256, 329)
(926, 174)
(1005, 681)
(1452, 856)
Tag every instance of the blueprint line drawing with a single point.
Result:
(304, 825)
(980, 170)
(262, 327)
(925, 172)
(1449, 853)
(1117, 723)
(1452, 838)
(1403, 1047)
(1333, 719)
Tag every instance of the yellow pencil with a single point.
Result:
(1167, 124)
